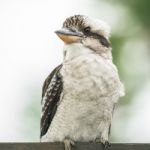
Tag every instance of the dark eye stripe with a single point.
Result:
(101, 38)
(104, 41)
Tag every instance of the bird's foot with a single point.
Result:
(68, 144)
(105, 144)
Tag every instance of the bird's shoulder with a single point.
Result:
(49, 78)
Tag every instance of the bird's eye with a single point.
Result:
(87, 30)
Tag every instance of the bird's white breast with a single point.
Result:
(91, 87)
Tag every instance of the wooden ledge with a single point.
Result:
(78, 146)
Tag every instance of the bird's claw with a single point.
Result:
(105, 144)
(68, 144)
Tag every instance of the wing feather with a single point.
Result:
(51, 92)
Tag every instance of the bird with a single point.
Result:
(79, 96)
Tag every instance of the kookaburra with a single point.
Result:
(79, 96)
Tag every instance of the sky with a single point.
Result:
(29, 50)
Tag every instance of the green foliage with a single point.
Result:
(118, 42)
(140, 9)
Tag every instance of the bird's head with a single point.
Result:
(88, 32)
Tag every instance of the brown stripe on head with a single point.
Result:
(76, 21)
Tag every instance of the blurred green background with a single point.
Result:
(30, 50)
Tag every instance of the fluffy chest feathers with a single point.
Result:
(90, 76)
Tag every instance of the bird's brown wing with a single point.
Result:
(51, 92)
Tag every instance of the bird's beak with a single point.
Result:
(68, 36)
